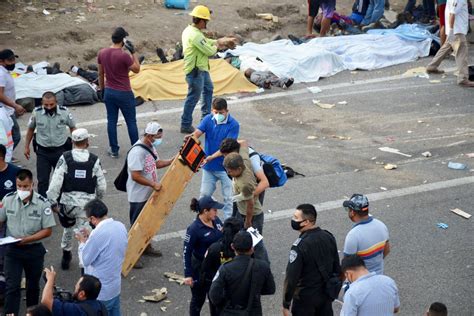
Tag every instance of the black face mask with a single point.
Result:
(92, 225)
(296, 225)
(10, 67)
(50, 111)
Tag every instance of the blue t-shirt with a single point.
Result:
(367, 239)
(61, 308)
(215, 134)
(8, 180)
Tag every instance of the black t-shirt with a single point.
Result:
(8, 180)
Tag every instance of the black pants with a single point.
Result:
(29, 258)
(135, 210)
(317, 305)
(199, 294)
(46, 160)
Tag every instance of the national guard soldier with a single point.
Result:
(51, 138)
(29, 218)
(313, 271)
(78, 179)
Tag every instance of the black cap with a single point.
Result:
(242, 241)
(358, 202)
(207, 202)
(119, 34)
(7, 54)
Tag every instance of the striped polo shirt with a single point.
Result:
(367, 239)
(371, 295)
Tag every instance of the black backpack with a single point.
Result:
(121, 181)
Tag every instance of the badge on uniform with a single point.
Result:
(47, 211)
(80, 174)
(293, 255)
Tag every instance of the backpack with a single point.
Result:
(120, 182)
(273, 170)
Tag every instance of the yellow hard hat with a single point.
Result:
(201, 12)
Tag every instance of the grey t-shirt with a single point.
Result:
(6, 81)
(139, 159)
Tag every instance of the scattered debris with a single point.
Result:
(46, 12)
(426, 154)
(380, 163)
(356, 170)
(104, 171)
(393, 151)
(282, 113)
(419, 72)
(456, 165)
(341, 137)
(409, 132)
(442, 225)
(174, 277)
(30, 8)
(141, 301)
(163, 308)
(373, 158)
(177, 255)
(461, 213)
(420, 121)
(383, 188)
(168, 301)
(456, 143)
(111, 7)
(435, 81)
(470, 155)
(354, 72)
(270, 211)
(5, 32)
(323, 105)
(160, 294)
(314, 89)
(390, 166)
(268, 17)
(312, 137)
(342, 102)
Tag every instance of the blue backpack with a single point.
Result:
(273, 170)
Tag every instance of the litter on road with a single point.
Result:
(393, 151)
(158, 296)
(442, 225)
(174, 277)
(314, 89)
(426, 154)
(456, 165)
(461, 213)
(390, 166)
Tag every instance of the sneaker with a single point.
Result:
(288, 83)
(161, 54)
(467, 83)
(187, 129)
(152, 252)
(112, 154)
(66, 260)
(435, 71)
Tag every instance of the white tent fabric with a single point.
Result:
(31, 85)
(323, 57)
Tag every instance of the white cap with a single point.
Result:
(79, 135)
(153, 128)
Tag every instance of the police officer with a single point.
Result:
(78, 179)
(51, 139)
(242, 280)
(29, 218)
(312, 254)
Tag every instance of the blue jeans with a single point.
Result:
(113, 306)
(374, 12)
(124, 101)
(208, 187)
(199, 82)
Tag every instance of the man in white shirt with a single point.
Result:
(103, 252)
(457, 25)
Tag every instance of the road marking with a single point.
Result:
(337, 204)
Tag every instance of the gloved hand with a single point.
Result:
(129, 46)
(450, 38)
(238, 198)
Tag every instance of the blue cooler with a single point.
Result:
(177, 4)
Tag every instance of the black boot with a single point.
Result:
(161, 55)
(66, 260)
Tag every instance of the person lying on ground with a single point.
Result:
(266, 79)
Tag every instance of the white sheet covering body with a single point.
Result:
(323, 57)
(32, 85)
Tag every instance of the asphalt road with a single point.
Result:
(384, 109)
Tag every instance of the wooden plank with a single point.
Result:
(155, 211)
(461, 213)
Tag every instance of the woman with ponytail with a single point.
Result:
(203, 232)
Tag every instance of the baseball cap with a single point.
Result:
(79, 135)
(357, 202)
(7, 54)
(153, 128)
(242, 241)
(207, 202)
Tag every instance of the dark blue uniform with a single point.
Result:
(198, 239)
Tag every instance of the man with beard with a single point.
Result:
(85, 295)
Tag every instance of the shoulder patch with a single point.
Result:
(10, 194)
(293, 256)
(42, 198)
(38, 108)
(297, 241)
(47, 211)
(62, 107)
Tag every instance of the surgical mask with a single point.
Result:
(50, 111)
(157, 142)
(296, 225)
(10, 67)
(219, 117)
(23, 194)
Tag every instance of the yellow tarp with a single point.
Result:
(167, 81)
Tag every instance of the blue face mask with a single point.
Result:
(157, 142)
(219, 117)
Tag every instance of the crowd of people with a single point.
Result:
(225, 261)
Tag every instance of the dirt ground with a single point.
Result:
(74, 31)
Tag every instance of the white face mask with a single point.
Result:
(23, 194)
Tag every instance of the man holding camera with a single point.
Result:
(115, 64)
(84, 299)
